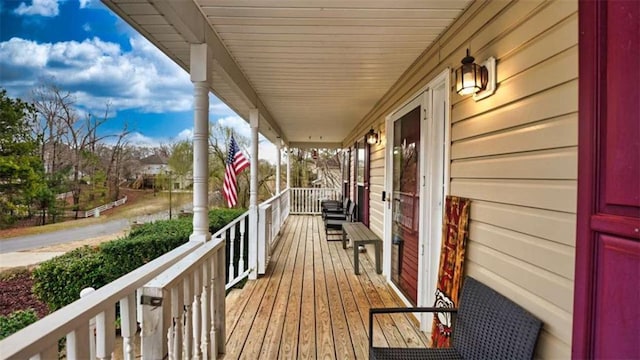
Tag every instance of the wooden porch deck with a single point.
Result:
(311, 305)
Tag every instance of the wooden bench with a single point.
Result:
(487, 326)
(360, 234)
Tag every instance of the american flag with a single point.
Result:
(236, 162)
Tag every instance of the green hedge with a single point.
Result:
(58, 281)
(15, 321)
(143, 245)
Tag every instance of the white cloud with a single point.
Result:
(217, 107)
(96, 72)
(47, 8)
(144, 78)
(86, 27)
(186, 134)
(144, 141)
(85, 3)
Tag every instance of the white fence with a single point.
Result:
(307, 200)
(96, 212)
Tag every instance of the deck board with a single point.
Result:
(307, 335)
(310, 304)
(271, 342)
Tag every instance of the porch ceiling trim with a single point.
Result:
(314, 69)
(188, 22)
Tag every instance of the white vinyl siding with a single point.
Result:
(376, 187)
(514, 153)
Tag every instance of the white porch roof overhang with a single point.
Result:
(314, 69)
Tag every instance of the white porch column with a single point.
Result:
(253, 195)
(288, 167)
(199, 77)
(278, 150)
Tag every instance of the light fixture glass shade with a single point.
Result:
(372, 137)
(470, 77)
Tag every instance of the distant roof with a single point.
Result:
(154, 160)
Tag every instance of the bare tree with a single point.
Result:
(48, 100)
(80, 137)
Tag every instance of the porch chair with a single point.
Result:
(335, 210)
(486, 325)
(331, 204)
(335, 221)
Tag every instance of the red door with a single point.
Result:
(606, 320)
(405, 207)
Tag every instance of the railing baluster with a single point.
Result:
(187, 316)
(213, 334)
(305, 200)
(78, 343)
(47, 354)
(171, 334)
(205, 309)
(219, 293)
(195, 313)
(105, 333)
(177, 314)
(241, 260)
(232, 253)
(128, 325)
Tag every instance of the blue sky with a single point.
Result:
(90, 52)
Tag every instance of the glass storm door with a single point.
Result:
(405, 206)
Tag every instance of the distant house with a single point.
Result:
(157, 164)
(154, 165)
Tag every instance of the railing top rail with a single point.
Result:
(171, 276)
(47, 331)
(220, 232)
(274, 197)
(317, 189)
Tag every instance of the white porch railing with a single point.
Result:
(40, 340)
(183, 309)
(307, 200)
(271, 218)
(236, 239)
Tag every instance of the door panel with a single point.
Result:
(621, 136)
(606, 312)
(618, 258)
(405, 204)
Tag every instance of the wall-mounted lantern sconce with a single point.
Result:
(479, 80)
(372, 137)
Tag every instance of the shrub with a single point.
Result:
(218, 218)
(15, 321)
(58, 281)
(143, 245)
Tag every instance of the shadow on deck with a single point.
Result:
(310, 304)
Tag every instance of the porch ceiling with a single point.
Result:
(313, 68)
